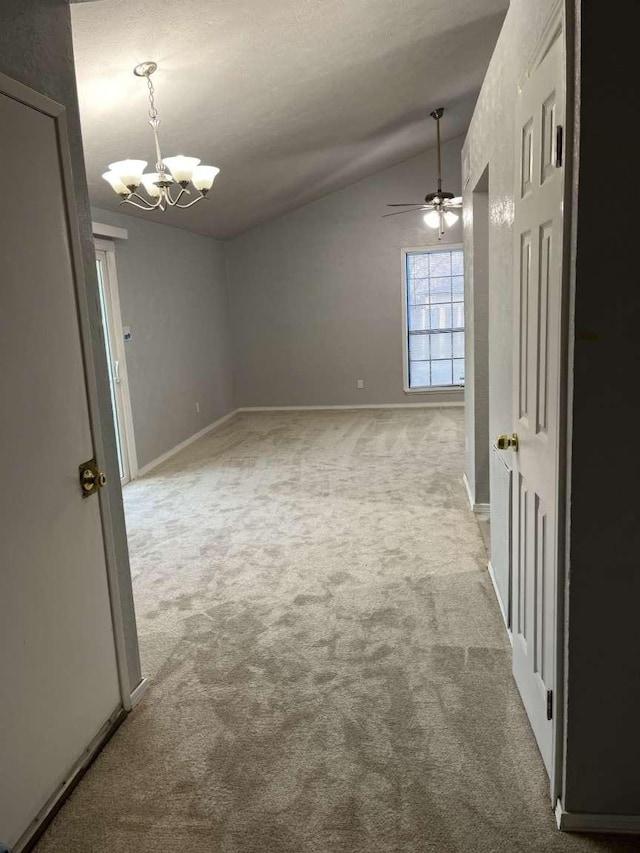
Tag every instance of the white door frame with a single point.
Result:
(19, 92)
(115, 321)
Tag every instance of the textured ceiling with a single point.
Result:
(292, 99)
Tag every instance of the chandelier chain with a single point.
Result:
(153, 112)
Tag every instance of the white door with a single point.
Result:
(538, 230)
(114, 346)
(58, 673)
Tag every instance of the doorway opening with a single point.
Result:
(114, 342)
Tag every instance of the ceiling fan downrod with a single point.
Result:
(437, 115)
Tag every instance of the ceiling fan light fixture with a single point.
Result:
(439, 203)
(125, 176)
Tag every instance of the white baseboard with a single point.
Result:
(432, 405)
(139, 692)
(577, 822)
(467, 486)
(155, 462)
(480, 509)
(165, 456)
(500, 604)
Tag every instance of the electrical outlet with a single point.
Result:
(360, 383)
(197, 407)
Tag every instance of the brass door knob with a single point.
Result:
(507, 442)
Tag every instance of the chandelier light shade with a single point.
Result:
(166, 186)
(149, 182)
(181, 168)
(116, 183)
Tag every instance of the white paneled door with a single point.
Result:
(538, 231)
(59, 684)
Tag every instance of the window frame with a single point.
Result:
(408, 250)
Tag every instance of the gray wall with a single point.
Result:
(490, 143)
(173, 296)
(36, 49)
(603, 660)
(315, 295)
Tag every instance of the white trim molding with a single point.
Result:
(500, 604)
(479, 509)
(111, 231)
(106, 251)
(138, 693)
(160, 459)
(583, 822)
(430, 405)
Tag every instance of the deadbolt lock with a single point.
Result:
(507, 442)
(91, 478)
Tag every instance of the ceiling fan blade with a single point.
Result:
(411, 210)
(455, 202)
(409, 204)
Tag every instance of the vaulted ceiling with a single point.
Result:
(292, 99)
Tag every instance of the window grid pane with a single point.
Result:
(435, 297)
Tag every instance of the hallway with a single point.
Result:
(329, 669)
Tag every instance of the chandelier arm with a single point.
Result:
(173, 202)
(191, 203)
(135, 204)
(143, 199)
(145, 204)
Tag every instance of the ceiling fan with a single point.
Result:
(440, 204)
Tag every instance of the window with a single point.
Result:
(434, 300)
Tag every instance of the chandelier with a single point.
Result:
(169, 183)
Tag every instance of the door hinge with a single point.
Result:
(559, 145)
(549, 704)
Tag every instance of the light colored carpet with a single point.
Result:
(330, 671)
